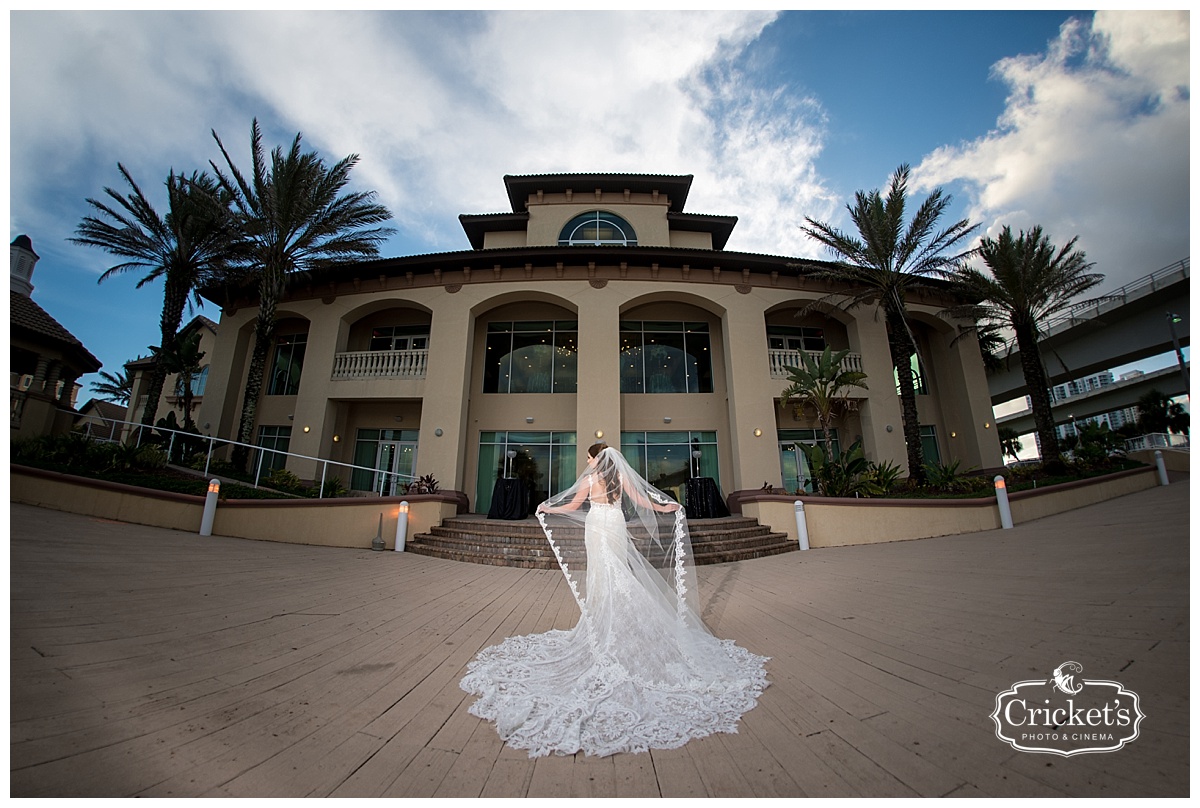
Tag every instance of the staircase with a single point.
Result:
(502, 543)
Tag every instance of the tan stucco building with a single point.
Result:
(596, 309)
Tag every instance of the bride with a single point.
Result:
(639, 670)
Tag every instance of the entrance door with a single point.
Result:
(395, 461)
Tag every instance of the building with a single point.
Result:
(597, 308)
(141, 368)
(1113, 420)
(45, 358)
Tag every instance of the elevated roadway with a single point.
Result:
(1130, 324)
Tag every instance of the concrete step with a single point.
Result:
(523, 544)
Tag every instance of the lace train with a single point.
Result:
(632, 675)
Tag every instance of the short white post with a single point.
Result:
(1002, 500)
(401, 526)
(210, 507)
(801, 525)
(1162, 468)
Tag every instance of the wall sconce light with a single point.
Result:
(667, 420)
(987, 425)
(954, 434)
(291, 417)
(307, 429)
(599, 433)
(529, 419)
(336, 438)
(398, 418)
(437, 432)
(757, 432)
(888, 427)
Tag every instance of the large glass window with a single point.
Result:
(544, 461)
(289, 360)
(597, 228)
(531, 357)
(400, 338)
(793, 462)
(199, 382)
(789, 338)
(668, 459)
(665, 357)
(275, 438)
(929, 444)
(393, 455)
(918, 373)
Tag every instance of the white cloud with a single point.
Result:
(439, 106)
(1094, 142)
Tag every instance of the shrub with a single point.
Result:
(423, 485)
(884, 475)
(844, 476)
(283, 480)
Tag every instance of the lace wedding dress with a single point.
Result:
(639, 670)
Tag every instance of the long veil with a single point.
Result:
(657, 542)
(640, 670)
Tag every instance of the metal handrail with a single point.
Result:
(213, 440)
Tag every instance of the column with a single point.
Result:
(598, 402)
(312, 409)
(879, 415)
(751, 393)
(441, 445)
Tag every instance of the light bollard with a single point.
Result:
(1002, 500)
(801, 525)
(401, 526)
(210, 507)
(1162, 467)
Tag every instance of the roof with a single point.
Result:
(674, 186)
(105, 409)
(27, 316)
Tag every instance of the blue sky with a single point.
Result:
(1072, 120)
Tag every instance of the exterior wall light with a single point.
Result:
(529, 419)
(337, 438)
(307, 429)
(437, 432)
(599, 433)
(757, 432)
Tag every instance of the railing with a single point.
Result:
(1090, 309)
(380, 365)
(387, 479)
(781, 358)
(1158, 440)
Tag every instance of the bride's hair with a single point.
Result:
(608, 472)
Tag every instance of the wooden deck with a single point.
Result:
(146, 662)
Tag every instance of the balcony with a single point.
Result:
(380, 365)
(782, 359)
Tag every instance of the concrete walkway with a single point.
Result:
(146, 662)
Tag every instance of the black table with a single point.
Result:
(704, 500)
(510, 500)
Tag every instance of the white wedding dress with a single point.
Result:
(639, 670)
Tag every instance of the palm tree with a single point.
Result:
(114, 388)
(293, 217)
(823, 386)
(1157, 413)
(191, 246)
(183, 359)
(1010, 441)
(1029, 282)
(882, 265)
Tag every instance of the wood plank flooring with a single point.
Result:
(147, 662)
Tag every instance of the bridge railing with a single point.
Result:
(1158, 440)
(1094, 307)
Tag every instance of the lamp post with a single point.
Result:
(401, 526)
(210, 507)
(1173, 318)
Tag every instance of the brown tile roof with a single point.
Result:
(29, 316)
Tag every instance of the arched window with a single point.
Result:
(596, 228)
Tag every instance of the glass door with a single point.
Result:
(395, 461)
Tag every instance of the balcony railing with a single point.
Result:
(380, 365)
(781, 359)
(1158, 440)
